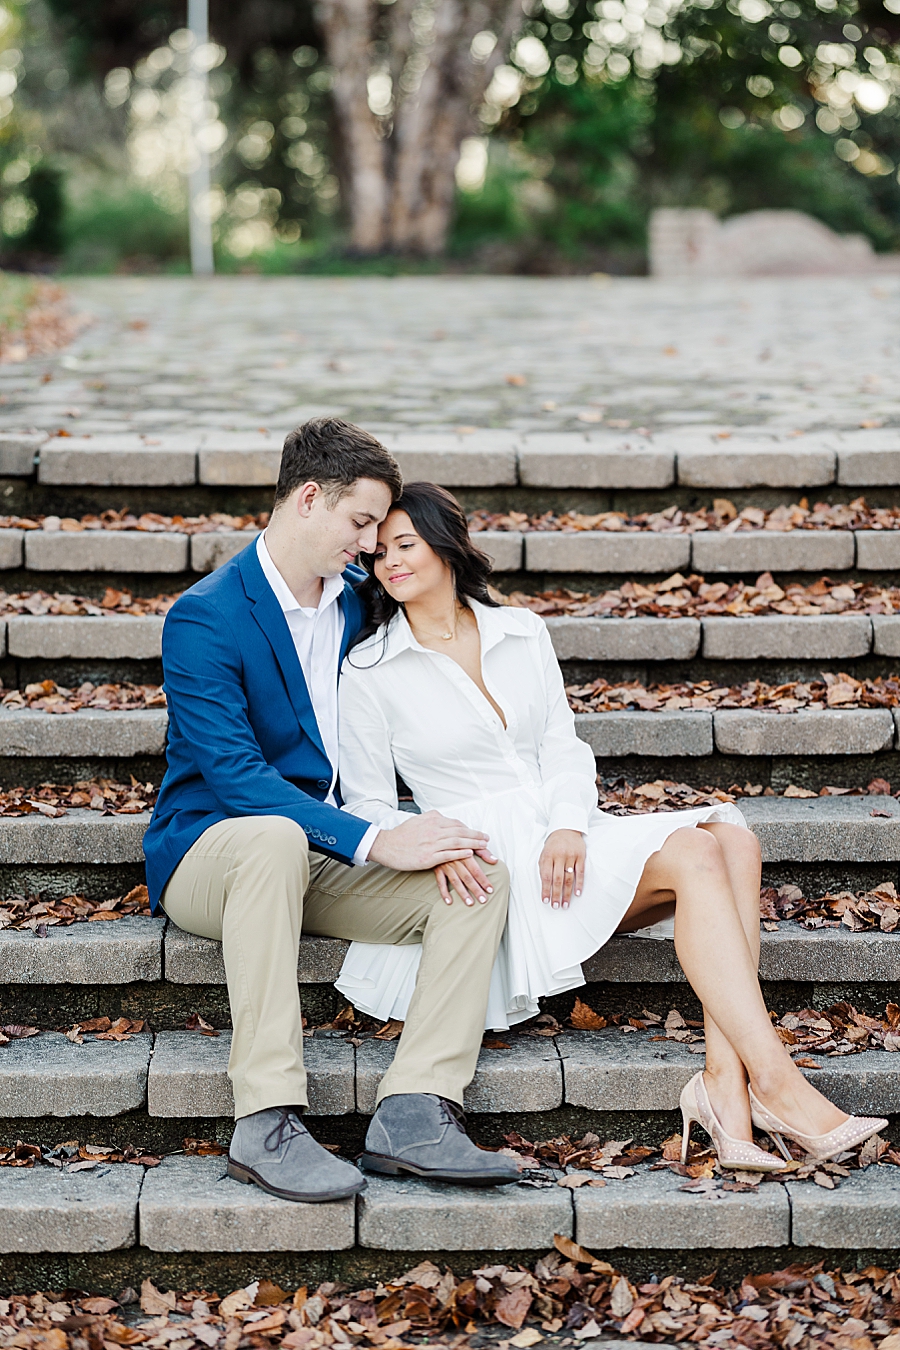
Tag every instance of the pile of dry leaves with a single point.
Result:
(837, 1031)
(103, 795)
(30, 912)
(113, 602)
(680, 597)
(829, 691)
(48, 696)
(74, 1157)
(567, 1296)
(618, 797)
(35, 319)
(723, 516)
(151, 522)
(860, 911)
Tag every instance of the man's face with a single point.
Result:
(349, 526)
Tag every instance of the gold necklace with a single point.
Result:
(445, 637)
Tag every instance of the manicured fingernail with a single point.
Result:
(470, 902)
(483, 899)
(565, 904)
(556, 904)
(578, 893)
(546, 899)
(490, 890)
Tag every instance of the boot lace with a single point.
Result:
(453, 1114)
(287, 1128)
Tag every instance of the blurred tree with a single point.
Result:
(407, 80)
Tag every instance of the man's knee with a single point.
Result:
(273, 848)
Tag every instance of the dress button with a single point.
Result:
(323, 783)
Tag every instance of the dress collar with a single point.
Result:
(332, 587)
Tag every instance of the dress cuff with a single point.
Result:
(568, 816)
(364, 847)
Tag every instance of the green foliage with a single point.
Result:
(128, 230)
(593, 136)
(707, 130)
(44, 188)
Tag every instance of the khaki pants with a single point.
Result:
(252, 883)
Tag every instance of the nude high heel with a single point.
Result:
(733, 1153)
(855, 1130)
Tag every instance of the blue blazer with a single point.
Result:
(243, 737)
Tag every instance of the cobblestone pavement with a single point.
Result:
(171, 354)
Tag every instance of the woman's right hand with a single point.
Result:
(466, 878)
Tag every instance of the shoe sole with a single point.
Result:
(251, 1178)
(392, 1167)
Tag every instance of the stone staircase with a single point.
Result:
(184, 1221)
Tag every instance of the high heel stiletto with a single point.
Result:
(855, 1130)
(737, 1154)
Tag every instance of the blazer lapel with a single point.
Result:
(268, 614)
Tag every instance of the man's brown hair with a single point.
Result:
(335, 454)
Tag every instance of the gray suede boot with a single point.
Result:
(425, 1136)
(275, 1149)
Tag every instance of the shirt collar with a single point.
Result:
(332, 587)
(494, 625)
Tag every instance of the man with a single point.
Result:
(248, 843)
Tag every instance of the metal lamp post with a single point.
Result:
(198, 181)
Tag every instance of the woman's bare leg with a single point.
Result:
(724, 1073)
(721, 965)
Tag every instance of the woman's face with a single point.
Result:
(407, 567)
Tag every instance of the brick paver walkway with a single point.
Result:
(169, 354)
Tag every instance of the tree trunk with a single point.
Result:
(399, 167)
(347, 26)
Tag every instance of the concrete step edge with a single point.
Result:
(489, 458)
(190, 1205)
(588, 551)
(183, 1075)
(827, 829)
(720, 637)
(136, 949)
(28, 732)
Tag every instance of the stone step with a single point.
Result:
(827, 829)
(89, 732)
(191, 1205)
(80, 836)
(755, 551)
(719, 637)
(182, 1074)
(745, 458)
(588, 551)
(831, 731)
(26, 732)
(725, 637)
(133, 949)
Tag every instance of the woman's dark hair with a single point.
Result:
(439, 520)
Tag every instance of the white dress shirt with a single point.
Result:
(317, 633)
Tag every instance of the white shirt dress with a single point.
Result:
(407, 708)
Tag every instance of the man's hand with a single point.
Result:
(426, 841)
(561, 866)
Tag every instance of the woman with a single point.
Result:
(465, 700)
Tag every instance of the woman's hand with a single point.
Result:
(466, 878)
(561, 865)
